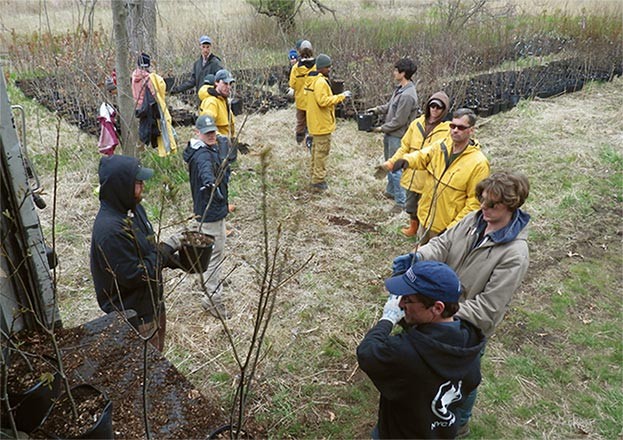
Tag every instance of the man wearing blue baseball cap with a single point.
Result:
(426, 371)
(208, 63)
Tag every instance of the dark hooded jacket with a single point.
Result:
(207, 166)
(199, 72)
(124, 262)
(423, 375)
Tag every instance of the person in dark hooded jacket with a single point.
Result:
(488, 249)
(126, 265)
(425, 372)
(209, 156)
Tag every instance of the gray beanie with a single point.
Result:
(323, 61)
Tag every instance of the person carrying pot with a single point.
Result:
(424, 131)
(209, 156)
(320, 105)
(298, 75)
(454, 167)
(488, 249)
(401, 109)
(126, 264)
(208, 63)
(426, 371)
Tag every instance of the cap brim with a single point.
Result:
(144, 173)
(398, 286)
(207, 129)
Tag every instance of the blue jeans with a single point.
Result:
(464, 411)
(390, 146)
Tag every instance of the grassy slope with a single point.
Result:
(552, 369)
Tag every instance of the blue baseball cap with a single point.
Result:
(429, 278)
(143, 173)
(204, 39)
(224, 75)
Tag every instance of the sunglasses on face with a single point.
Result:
(487, 203)
(459, 127)
(436, 106)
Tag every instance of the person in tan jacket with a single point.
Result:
(488, 249)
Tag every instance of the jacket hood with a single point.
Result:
(446, 102)
(117, 176)
(139, 75)
(511, 231)
(307, 62)
(448, 349)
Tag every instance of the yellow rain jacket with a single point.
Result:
(321, 104)
(216, 106)
(166, 140)
(203, 91)
(449, 192)
(298, 76)
(415, 139)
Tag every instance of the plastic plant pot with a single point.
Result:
(196, 251)
(236, 106)
(365, 121)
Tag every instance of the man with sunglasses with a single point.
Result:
(488, 249)
(425, 372)
(454, 167)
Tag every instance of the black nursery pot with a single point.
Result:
(365, 121)
(196, 251)
(100, 429)
(236, 106)
(32, 405)
(337, 86)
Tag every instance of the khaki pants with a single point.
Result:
(321, 147)
(301, 124)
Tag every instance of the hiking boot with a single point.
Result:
(214, 308)
(320, 186)
(463, 431)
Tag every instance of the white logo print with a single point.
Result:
(440, 405)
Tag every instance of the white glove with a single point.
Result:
(347, 94)
(371, 110)
(290, 92)
(392, 312)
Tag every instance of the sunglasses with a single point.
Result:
(437, 106)
(459, 127)
(489, 204)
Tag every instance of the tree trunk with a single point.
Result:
(125, 101)
(141, 27)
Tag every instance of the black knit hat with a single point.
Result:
(144, 60)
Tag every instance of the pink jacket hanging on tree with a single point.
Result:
(108, 134)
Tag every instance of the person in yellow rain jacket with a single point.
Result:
(422, 132)
(208, 83)
(320, 117)
(298, 76)
(149, 90)
(454, 166)
(216, 104)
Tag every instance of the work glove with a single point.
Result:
(377, 130)
(380, 171)
(167, 257)
(404, 262)
(400, 164)
(392, 311)
(372, 110)
(218, 195)
(347, 94)
(290, 92)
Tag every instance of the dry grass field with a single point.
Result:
(553, 369)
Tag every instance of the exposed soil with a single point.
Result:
(107, 354)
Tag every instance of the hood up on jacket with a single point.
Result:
(117, 175)
(441, 96)
(448, 353)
